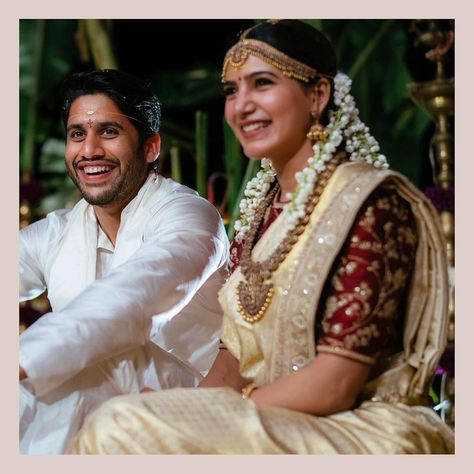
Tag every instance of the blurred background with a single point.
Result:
(403, 82)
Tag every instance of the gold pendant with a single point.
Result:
(254, 297)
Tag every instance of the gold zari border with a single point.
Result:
(345, 353)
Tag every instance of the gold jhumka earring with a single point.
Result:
(317, 132)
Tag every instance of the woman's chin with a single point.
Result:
(254, 154)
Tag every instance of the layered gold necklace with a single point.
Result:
(255, 291)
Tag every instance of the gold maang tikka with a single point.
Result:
(238, 54)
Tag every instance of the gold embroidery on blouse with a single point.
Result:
(399, 244)
(350, 267)
(399, 278)
(353, 309)
(388, 309)
(374, 267)
(364, 290)
(367, 245)
(383, 203)
(368, 219)
(361, 337)
(357, 305)
(336, 328)
(336, 283)
(346, 353)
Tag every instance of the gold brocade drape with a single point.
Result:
(388, 420)
(285, 341)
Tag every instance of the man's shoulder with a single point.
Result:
(167, 192)
(63, 216)
(174, 204)
(168, 186)
(53, 223)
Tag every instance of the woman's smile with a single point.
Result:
(269, 113)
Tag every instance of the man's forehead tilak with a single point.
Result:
(91, 114)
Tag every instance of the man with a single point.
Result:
(132, 271)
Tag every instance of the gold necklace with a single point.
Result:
(255, 291)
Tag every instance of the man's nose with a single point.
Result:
(92, 147)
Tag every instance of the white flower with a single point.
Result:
(344, 122)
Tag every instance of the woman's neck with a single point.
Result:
(286, 170)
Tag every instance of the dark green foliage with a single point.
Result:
(372, 52)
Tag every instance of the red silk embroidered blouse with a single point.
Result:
(361, 308)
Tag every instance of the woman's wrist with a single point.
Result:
(248, 390)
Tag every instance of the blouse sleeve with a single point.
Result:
(361, 315)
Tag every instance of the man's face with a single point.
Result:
(103, 153)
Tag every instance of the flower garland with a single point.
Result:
(344, 125)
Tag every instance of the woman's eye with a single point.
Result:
(263, 81)
(227, 91)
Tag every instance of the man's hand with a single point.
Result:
(22, 373)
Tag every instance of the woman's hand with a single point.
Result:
(224, 372)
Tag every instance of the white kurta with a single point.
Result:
(160, 285)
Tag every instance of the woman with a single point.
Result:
(335, 313)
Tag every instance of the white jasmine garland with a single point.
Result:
(344, 125)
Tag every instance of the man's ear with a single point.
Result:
(320, 95)
(152, 147)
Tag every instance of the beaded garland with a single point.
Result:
(255, 292)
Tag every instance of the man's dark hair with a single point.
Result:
(130, 94)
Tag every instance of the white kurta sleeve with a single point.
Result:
(32, 240)
(184, 243)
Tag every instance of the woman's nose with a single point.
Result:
(244, 103)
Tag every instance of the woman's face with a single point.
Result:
(269, 113)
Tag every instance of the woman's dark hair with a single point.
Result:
(298, 40)
(130, 94)
(302, 42)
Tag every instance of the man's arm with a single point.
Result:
(114, 314)
(33, 240)
(33, 244)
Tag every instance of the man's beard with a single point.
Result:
(123, 189)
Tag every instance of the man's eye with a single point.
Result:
(110, 131)
(76, 134)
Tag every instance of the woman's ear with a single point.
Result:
(320, 96)
(152, 147)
